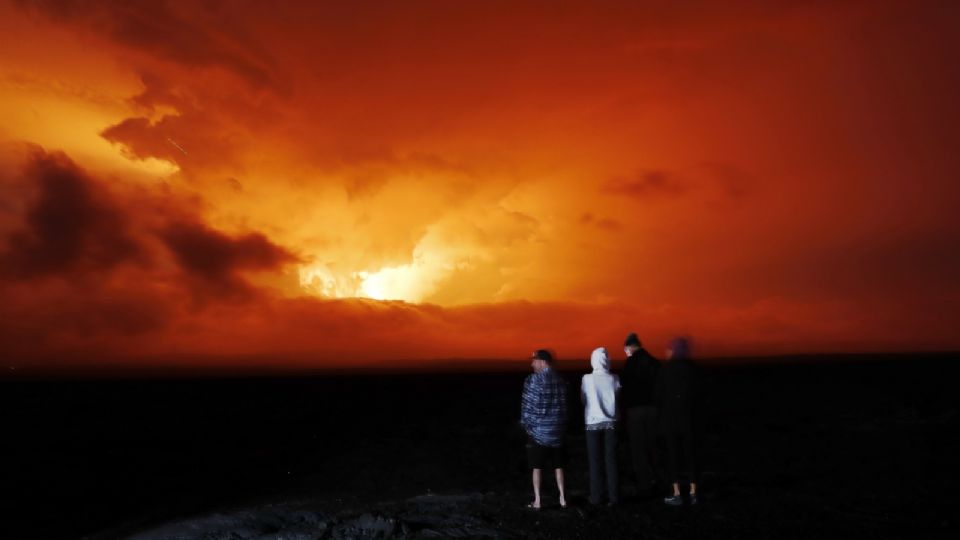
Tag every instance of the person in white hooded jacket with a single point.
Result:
(599, 391)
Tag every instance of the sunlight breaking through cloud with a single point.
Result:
(432, 264)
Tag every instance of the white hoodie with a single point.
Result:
(599, 390)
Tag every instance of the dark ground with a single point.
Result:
(863, 449)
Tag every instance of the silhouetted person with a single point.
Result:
(676, 394)
(543, 414)
(599, 390)
(639, 379)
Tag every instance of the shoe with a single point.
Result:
(693, 499)
(673, 500)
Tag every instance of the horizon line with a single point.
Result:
(119, 369)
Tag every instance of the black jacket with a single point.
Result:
(639, 379)
(677, 393)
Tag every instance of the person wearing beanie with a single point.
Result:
(543, 415)
(599, 390)
(676, 394)
(639, 379)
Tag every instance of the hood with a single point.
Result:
(600, 360)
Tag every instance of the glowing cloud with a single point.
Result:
(772, 177)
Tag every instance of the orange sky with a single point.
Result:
(329, 184)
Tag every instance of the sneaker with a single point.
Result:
(673, 500)
(693, 499)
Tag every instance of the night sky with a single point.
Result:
(333, 183)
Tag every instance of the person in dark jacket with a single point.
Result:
(639, 379)
(676, 395)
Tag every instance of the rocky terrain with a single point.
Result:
(859, 449)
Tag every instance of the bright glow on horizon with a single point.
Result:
(411, 282)
(388, 283)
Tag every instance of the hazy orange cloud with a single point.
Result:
(338, 183)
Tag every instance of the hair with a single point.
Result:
(543, 354)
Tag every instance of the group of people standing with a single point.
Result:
(658, 400)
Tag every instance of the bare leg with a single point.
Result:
(563, 494)
(536, 488)
(693, 488)
(676, 488)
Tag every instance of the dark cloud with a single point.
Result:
(112, 253)
(71, 226)
(216, 259)
(646, 184)
(605, 223)
(201, 34)
(182, 139)
(157, 92)
(138, 135)
(183, 124)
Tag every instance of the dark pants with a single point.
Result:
(643, 428)
(602, 447)
(681, 444)
(545, 457)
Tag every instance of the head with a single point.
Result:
(679, 348)
(540, 360)
(600, 360)
(631, 344)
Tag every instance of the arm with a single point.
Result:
(528, 405)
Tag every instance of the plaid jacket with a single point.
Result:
(543, 410)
